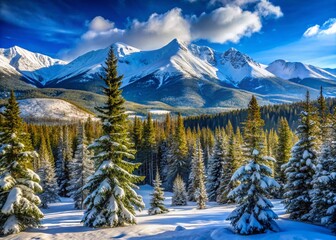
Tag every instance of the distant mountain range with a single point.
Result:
(177, 74)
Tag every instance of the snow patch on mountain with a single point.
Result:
(290, 70)
(51, 109)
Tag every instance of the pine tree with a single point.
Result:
(47, 176)
(177, 153)
(215, 168)
(283, 153)
(229, 165)
(18, 183)
(59, 164)
(81, 168)
(111, 199)
(324, 184)
(322, 115)
(179, 193)
(199, 180)
(157, 205)
(64, 162)
(148, 149)
(300, 169)
(254, 212)
(192, 184)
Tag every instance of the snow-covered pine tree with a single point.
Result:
(179, 192)
(47, 176)
(324, 184)
(192, 185)
(18, 183)
(200, 192)
(254, 212)
(215, 168)
(229, 165)
(300, 169)
(111, 199)
(156, 203)
(81, 167)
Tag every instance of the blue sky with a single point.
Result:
(294, 30)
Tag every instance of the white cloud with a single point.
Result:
(328, 28)
(225, 24)
(157, 31)
(100, 24)
(265, 9)
(228, 23)
(312, 31)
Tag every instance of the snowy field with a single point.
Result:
(181, 223)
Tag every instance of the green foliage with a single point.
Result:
(19, 184)
(300, 169)
(111, 200)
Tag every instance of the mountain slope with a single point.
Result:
(47, 108)
(35, 67)
(291, 70)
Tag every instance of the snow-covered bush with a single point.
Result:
(157, 205)
(179, 192)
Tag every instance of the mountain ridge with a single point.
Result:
(178, 73)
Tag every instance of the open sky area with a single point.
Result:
(294, 30)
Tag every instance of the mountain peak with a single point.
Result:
(122, 49)
(232, 50)
(176, 45)
(237, 59)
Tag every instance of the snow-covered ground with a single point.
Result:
(186, 223)
(51, 109)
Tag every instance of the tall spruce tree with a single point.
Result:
(18, 183)
(283, 152)
(300, 169)
(322, 115)
(111, 199)
(148, 149)
(47, 176)
(59, 163)
(177, 163)
(156, 203)
(254, 212)
(228, 167)
(324, 184)
(215, 168)
(191, 179)
(81, 167)
(199, 180)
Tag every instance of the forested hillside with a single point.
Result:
(271, 115)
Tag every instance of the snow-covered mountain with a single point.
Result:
(291, 70)
(34, 66)
(174, 59)
(176, 74)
